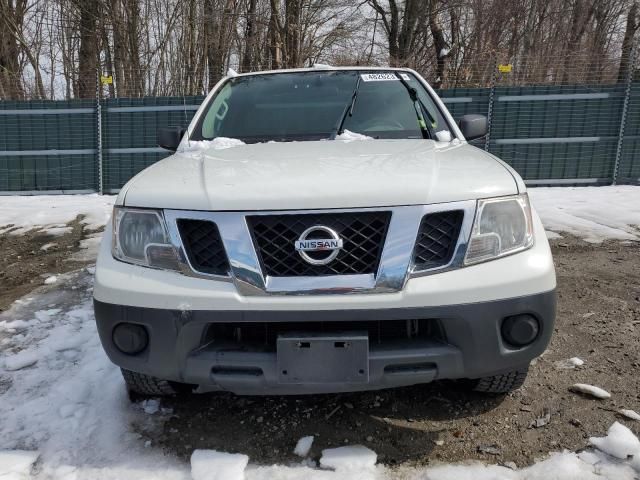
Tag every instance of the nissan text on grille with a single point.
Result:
(319, 231)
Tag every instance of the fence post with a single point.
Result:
(99, 134)
(490, 109)
(625, 108)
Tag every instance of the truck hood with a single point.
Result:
(319, 175)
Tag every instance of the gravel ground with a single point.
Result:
(598, 321)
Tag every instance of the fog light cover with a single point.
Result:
(520, 330)
(130, 338)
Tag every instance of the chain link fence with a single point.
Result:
(569, 122)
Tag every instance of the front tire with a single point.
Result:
(503, 383)
(141, 384)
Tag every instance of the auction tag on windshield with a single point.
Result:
(378, 77)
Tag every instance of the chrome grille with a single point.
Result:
(363, 234)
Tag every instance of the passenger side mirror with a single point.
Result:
(169, 137)
(473, 126)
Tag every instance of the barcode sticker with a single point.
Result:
(378, 77)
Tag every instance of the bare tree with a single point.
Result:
(89, 11)
(628, 42)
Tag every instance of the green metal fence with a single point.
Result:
(550, 134)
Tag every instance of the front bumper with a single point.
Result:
(470, 345)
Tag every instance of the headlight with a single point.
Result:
(502, 226)
(140, 237)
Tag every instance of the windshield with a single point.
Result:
(315, 105)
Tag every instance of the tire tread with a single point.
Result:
(146, 384)
(503, 383)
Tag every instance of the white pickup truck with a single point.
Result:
(324, 230)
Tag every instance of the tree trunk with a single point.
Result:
(88, 54)
(10, 71)
(275, 38)
(292, 33)
(440, 45)
(250, 38)
(627, 43)
(582, 14)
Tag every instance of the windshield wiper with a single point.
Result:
(419, 107)
(337, 130)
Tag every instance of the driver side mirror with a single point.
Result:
(169, 137)
(473, 126)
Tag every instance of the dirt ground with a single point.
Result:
(598, 321)
(25, 264)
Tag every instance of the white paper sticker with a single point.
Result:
(405, 77)
(378, 77)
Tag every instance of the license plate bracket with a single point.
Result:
(323, 358)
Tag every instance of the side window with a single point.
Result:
(216, 113)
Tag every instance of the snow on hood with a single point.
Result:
(349, 136)
(218, 143)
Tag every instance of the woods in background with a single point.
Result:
(60, 48)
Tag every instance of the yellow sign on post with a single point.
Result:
(505, 68)
(106, 79)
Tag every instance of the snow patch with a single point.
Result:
(55, 231)
(218, 143)
(47, 246)
(51, 213)
(596, 392)
(591, 213)
(150, 406)
(349, 136)
(552, 235)
(356, 457)
(303, 446)
(20, 360)
(50, 280)
(620, 442)
(212, 465)
(630, 414)
(570, 363)
(231, 72)
(444, 136)
(16, 464)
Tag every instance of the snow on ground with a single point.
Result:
(570, 363)
(65, 416)
(630, 414)
(212, 465)
(591, 213)
(53, 212)
(592, 390)
(303, 446)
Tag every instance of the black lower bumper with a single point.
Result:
(470, 345)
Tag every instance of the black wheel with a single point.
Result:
(504, 383)
(141, 384)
